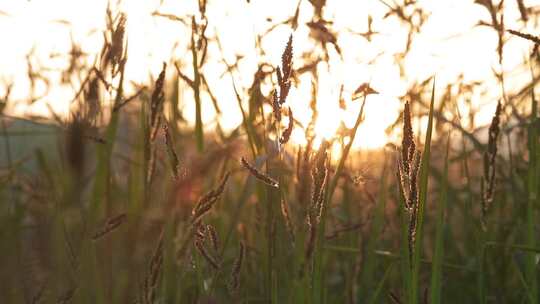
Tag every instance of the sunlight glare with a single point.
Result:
(441, 48)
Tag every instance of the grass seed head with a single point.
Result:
(488, 180)
(234, 283)
(110, 225)
(286, 59)
(287, 218)
(173, 157)
(208, 200)
(526, 36)
(276, 107)
(258, 174)
(199, 245)
(214, 239)
(363, 90)
(150, 285)
(287, 132)
(319, 175)
(156, 103)
(407, 145)
(114, 50)
(408, 173)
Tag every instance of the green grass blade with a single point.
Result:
(436, 272)
(518, 247)
(531, 267)
(380, 286)
(376, 229)
(522, 279)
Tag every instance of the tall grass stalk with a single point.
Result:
(422, 200)
(436, 269)
(370, 262)
(318, 272)
(199, 136)
(532, 202)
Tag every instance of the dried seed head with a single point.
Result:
(202, 250)
(408, 172)
(115, 52)
(310, 241)
(488, 180)
(286, 59)
(320, 202)
(412, 199)
(404, 182)
(363, 90)
(156, 103)
(199, 231)
(259, 175)
(284, 74)
(111, 224)
(287, 219)
(287, 133)
(529, 37)
(171, 152)
(494, 130)
(303, 174)
(407, 145)
(234, 283)
(214, 239)
(284, 91)
(276, 107)
(208, 200)
(319, 175)
(150, 284)
(118, 35)
(279, 76)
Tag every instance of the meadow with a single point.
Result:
(129, 198)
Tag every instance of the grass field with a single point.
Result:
(129, 199)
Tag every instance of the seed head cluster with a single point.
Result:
(284, 74)
(488, 180)
(408, 169)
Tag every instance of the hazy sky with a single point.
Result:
(449, 46)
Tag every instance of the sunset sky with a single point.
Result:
(449, 45)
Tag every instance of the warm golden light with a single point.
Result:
(269, 151)
(450, 45)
